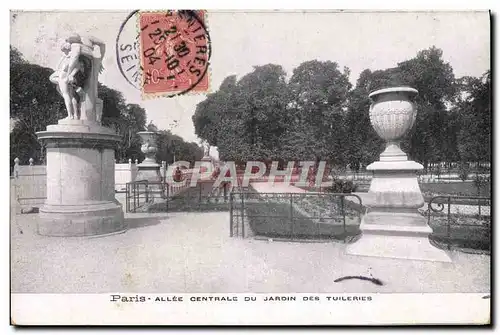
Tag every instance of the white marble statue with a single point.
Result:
(77, 74)
(207, 149)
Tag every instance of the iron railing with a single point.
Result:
(460, 221)
(150, 196)
(139, 193)
(304, 216)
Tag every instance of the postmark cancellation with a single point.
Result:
(174, 52)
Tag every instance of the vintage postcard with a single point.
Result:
(250, 167)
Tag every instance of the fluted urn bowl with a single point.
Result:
(392, 114)
(148, 147)
(147, 136)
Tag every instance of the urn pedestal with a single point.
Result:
(149, 169)
(392, 226)
(206, 163)
(80, 180)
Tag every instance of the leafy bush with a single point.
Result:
(463, 171)
(341, 186)
(480, 182)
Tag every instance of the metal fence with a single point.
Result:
(304, 216)
(147, 196)
(460, 222)
(448, 176)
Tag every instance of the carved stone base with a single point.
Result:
(84, 220)
(393, 227)
(149, 172)
(393, 235)
(80, 180)
(395, 186)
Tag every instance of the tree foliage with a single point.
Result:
(363, 143)
(474, 120)
(317, 114)
(434, 80)
(35, 104)
(172, 148)
(318, 103)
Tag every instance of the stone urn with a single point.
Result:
(148, 147)
(392, 114)
(392, 226)
(149, 169)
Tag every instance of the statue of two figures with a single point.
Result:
(76, 77)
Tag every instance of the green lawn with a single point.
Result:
(275, 217)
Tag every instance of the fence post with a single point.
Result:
(429, 205)
(16, 182)
(291, 214)
(231, 215)
(449, 223)
(126, 197)
(199, 195)
(343, 214)
(167, 193)
(134, 196)
(130, 162)
(242, 215)
(136, 161)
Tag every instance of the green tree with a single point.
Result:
(363, 145)
(113, 105)
(173, 148)
(318, 93)
(260, 106)
(434, 80)
(209, 114)
(131, 121)
(16, 57)
(34, 104)
(245, 119)
(474, 109)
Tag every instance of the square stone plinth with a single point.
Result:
(396, 235)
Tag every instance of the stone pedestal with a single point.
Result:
(148, 170)
(392, 226)
(80, 180)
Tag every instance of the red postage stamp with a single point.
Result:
(175, 52)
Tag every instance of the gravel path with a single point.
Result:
(192, 252)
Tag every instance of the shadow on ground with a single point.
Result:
(143, 221)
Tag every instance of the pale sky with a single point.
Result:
(241, 40)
